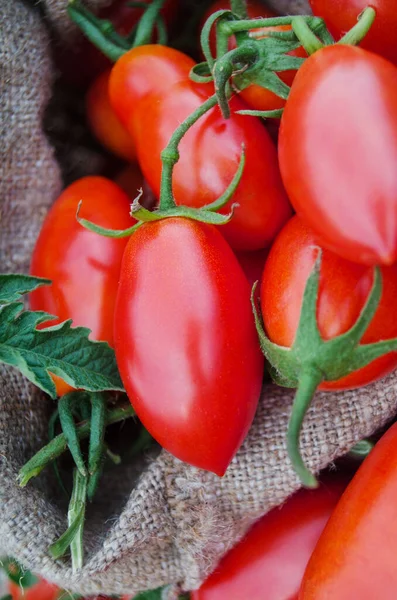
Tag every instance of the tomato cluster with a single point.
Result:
(175, 301)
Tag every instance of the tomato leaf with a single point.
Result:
(60, 349)
(13, 286)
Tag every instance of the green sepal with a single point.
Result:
(201, 73)
(13, 286)
(312, 360)
(146, 25)
(361, 449)
(264, 114)
(225, 15)
(202, 215)
(18, 574)
(62, 350)
(112, 233)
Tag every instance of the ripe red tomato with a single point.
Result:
(43, 590)
(209, 152)
(356, 554)
(83, 266)
(344, 288)
(337, 151)
(270, 560)
(185, 341)
(103, 121)
(341, 15)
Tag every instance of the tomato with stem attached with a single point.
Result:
(355, 555)
(329, 325)
(84, 267)
(341, 15)
(337, 150)
(270, 560)
(185, 340)
(103, 121)
(151, 106)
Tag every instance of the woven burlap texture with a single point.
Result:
(171, 523)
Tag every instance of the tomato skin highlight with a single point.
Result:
(274, 553)
(185, 341)
(43, 590)
(103, 121)
(341, 15)
(210, 151)
(83, 266)
(355, 555)
(338, 150)
(344, 288)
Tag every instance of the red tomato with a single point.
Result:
(210, 151)
(338, 152)
(270, 560)
(43, 590)
(103, 121)
(185, 341)
(83, 266)
(356, 554)
(344, 288)
(341, 15)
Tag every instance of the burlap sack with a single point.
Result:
(172, 523)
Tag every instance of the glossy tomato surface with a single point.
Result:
(344, 288)
(210, 151)
(185, 341)
(43, 590)
(341, 15)
(269, 562)
(104, 122)
(83, 266)
(338, 150)
(356, 554)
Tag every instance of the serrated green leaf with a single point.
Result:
(13, 286)
(60, 349)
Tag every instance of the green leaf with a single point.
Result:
(60, 349)
(17, 574)
(13, 286)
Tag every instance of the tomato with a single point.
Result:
(274, 553)
(103, 121)
(210, 151)
(344, 288)
(43, 590)
(341, 15)
(355, 556)
(338, 150)
(83, 266)
(185, 341)
(81, 63)
(254, 95)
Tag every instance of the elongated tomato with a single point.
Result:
(356, 555)
(185, 341)
(338, 151)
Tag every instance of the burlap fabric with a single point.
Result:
(171, 523)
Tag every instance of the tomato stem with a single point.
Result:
(239, 8)
(309, 380)
(76, 513)
(305, 35)
(170, 154)
(248, 24)
(360, 30)
(147, 23)
(58, 445)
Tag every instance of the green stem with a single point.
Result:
(239, 8)
(170, 155)
(361, 450)
(65, 409)
(77, 512)
(59, 444)
(307, 38)
(97, 434)
(359, 31)
(309, 380)
(246, 25)
(147, 23)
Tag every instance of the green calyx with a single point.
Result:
(312, 360)
(103, 35)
